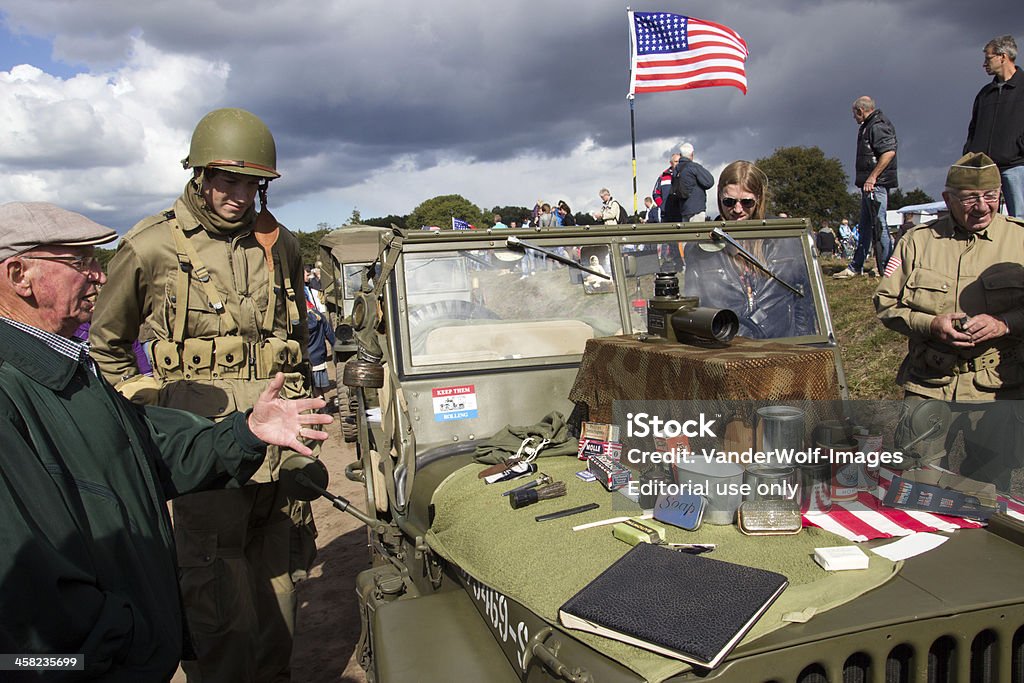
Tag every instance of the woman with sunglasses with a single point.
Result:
(723, 279)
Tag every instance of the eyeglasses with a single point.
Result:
(83, 264)
(989, 58)
(973, 200)
(747, 204)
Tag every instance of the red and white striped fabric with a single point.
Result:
(866, 518)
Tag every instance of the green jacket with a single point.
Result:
(212, 369)
(88, 561)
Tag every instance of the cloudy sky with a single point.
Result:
(379, 106)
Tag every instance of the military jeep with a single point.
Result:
(461, 333)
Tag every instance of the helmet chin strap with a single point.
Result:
(266, 229)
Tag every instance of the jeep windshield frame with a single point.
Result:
(516, 309)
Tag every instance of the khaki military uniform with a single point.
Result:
(221, 328)
(941, 268)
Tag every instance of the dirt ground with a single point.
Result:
(328, 619)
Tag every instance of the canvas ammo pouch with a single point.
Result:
(276, 355)
(229, 357)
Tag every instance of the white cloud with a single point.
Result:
(104, 142)
(575, 177)
(384, 105)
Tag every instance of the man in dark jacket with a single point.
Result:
(690, 183)
(89, 566)
(997, 120)
(876, 175)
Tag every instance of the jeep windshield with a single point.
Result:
(489, 305)
(495, 304)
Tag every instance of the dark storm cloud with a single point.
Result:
(348, 88)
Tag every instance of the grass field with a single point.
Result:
(871, 353)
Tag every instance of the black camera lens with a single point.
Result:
(666, 285)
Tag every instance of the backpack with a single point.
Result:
(623, 216)
(676, 190)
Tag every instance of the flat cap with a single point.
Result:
(27, 225)
(974, 171)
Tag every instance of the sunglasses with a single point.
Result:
(747, 204)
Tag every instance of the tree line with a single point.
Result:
(803, 183)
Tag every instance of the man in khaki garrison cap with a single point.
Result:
(955, 289)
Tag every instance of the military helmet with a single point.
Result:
(235, 140)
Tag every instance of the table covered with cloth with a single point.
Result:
(624, 368)
(542, 564)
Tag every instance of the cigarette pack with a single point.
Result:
(609, 472)
(591, 447)
(600, 431)
(599, 438)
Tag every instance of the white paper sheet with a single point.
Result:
(910, 546)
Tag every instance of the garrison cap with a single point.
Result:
(974, 171)
(27, 225)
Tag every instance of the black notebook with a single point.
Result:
(685, 606)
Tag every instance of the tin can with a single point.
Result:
(867, 443)
(816, 495)
(835, 440)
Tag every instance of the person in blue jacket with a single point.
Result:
(321, 343)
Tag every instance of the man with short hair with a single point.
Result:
(220, 285)
(955, 289)
(498, 225)
(687, 200)
(663, 186)
(610, 208)
(89, 563)
(653, 213)
(876, 175)
(997, 120)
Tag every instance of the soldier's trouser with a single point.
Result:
(234, 552)
(991, 432)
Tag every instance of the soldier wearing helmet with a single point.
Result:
(218, 287)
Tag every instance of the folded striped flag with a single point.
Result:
(866, 518)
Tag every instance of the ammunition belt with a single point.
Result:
(229, 357)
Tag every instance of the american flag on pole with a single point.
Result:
(676, 52)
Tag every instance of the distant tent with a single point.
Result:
(922, 213)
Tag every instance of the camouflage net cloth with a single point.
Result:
(759, 372)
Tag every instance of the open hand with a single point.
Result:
(281, 422)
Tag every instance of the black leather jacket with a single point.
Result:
(766, 309)
(876, 136)
(997, 122)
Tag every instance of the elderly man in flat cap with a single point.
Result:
(955, 289)
(88, 562)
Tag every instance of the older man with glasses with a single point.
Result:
(955, 289)
(88, 568)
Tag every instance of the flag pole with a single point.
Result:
(631, 98)
(632, 139)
